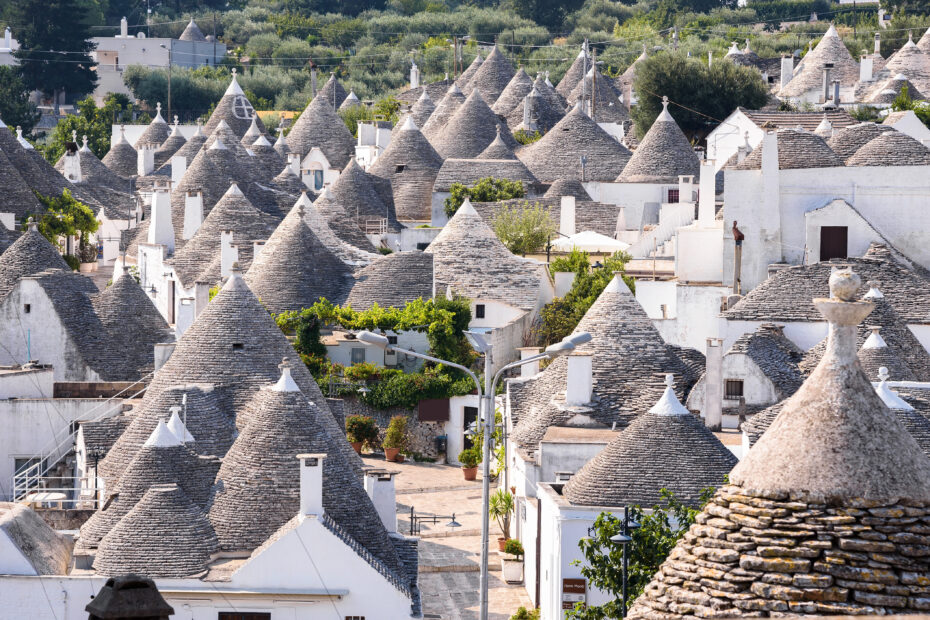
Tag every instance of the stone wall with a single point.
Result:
(64, 519)
(421, 436)
(752, 555)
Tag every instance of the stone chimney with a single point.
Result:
(146, 160)
(123, 28)
(311, 485)
(379, 484)
(707, 194)
(531, 110)
(567, 216)
(414, 75)
(836, 94)
(787, 70)
(161, 230)
(579, 379)
(827, 67)
(193, 212)
(713, 384)
(229, 253)
(178, 168)
(865, 68)
(531, 369)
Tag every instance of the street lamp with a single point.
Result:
(482, 345)
(163, 46)
(624, 539)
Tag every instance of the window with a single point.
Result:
(479, 311)
(358, 355)
(392, 339)
(238, 346)
(355, 617)
(422, 246)
(833, 242)
(27, 308)
(238, 615)
(733, 389)
(672, 196)
(400, 168)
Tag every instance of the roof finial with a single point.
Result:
(874, 292)
(74, 135)
(158, 109)
(84, 143)
(234, 73)
(286, 383)
(175, 120)
(890, 398)
(669, 403)
(176, 426)
(31, 224)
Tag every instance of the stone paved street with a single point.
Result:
(449, 557)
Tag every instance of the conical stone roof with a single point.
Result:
(876, 354)
(196, 260)
(492, 77)
(663, 154)
(911, 61)
(7, 238)
(797, 149)
(808, 75)
(628, 369)
(666, 448)
(122, 157)
(332, 92)
(409, 165)
(470, 130)
(575, 72)
(462, 81)
(606, 100)
(891, 148)
(567, 187)
(164, 535)
(444, 111)
(887, 91)
(252, 133)
(289, 182)
(547, 108)
(354, 190)
(234, 108)
(265, 160)
(30, 254)
(497, 149)
(231, 141)
(295, 269)
(169, 147)
(558, 154)
(835, 460)
(924, 42)
(845, 142)
(38, 174)
(519, 87)
(281, 146)
(350, 101)
(422, 109)
(17, 195)
(192, 32)
(329, 215)
(192, 147)
(156, 132)
(320, 126)
(392, 281)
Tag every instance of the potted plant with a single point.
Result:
(469, 458)
(512, 562)
(395, 439)
(361, 430)
(500, 507)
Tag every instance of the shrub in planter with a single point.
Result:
(515, 548)
(469, 458)
(361, 430)
(500, 507)
(512, 562)
(395, 439)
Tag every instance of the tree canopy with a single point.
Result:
(94, 122)
(701, 96)
(15, 108)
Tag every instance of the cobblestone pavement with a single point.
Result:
(450, 557)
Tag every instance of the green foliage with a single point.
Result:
(396, 388)
(488, 189)
(904, 102)
(548, 13)
(193, 91)
(865, 113)
(15, 108)
(603, 560)
(576, 261)
(514, 547)
(526, 137)
(44, 29)
(396, 435)
(73, 261)
(361, 428)
(470, 457)
(523, 228)
(561, 316)
(65, 216)
(702, 96)
(91, 121)
(525, 614)
(500, 508)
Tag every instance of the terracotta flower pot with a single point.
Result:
(501, 543)
(357, 446)
(401, 458)
(390, 454)
(470, 473)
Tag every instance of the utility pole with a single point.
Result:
(584, 64)
(594, 84)
(213, 62)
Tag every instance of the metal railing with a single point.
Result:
(376, 226)
(34, 474)
(66, 492)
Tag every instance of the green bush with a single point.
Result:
(396, 435)
(514, 547)
(526, 137)
(525, 614)
(488, 189)
(470, 457)
(523, 228)
(500, 507)
(73, 261)
(361, 428)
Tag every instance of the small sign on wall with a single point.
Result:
(573, 591)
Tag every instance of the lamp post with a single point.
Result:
(624, 539)
(162, 45)
(486, 396)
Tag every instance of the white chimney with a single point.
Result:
(146, 161)
(193, 212)
(686, 188)
(161, 231)
(769, 151)
(787, 70)
(257, 247)
(567, 216)
(178, 168)
(414, 76)
(713, 384)
(742, 151)
(865, 68)
(707, 194)
(579, 379)
(379, 485)
(311, 484)
(878, 43)
(293, 160)
(7, 39)
(72, 167)
(163, 351)
(123, 28)
(229, 253)
(531, 369)
(825, 86)
(184, 317)
(836, 93)
(563, 282)
(710, 58)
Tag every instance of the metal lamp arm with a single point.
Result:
(532, 358)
